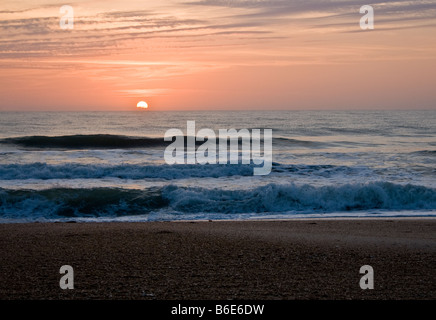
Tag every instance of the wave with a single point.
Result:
(43, 171)
(297, 142)
(425, 152)
(284, 198)
(126, 171)
(99, 141)
(63, 202)
(58, 203)
(108, 141)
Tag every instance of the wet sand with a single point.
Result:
(257, 260)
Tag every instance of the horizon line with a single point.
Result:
(229, 110)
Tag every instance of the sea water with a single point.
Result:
(110, 166)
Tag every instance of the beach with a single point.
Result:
(316, 259)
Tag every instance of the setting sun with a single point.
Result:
(142, 104)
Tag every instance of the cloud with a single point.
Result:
(144, 92)
(101, 31)
(270, 9)
(41, 36)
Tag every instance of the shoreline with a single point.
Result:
(304, 259)
(338, 218)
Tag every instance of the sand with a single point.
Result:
(257, 260)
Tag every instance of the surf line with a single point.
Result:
(206, 153)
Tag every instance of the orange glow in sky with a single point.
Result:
(217, 54)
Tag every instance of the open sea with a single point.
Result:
(109, 166)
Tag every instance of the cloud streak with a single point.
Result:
(109, 31)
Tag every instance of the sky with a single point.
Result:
(217, 55)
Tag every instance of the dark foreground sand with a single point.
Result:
(300, 259)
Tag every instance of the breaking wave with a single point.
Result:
(176, 201)
(125, 171)
(45, 171)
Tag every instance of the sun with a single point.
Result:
(142, 104)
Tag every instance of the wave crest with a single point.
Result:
(126, 171)
(109, 141)
(99, 141)
(284, 198)
(175, 201)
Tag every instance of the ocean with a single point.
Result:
(110, 166)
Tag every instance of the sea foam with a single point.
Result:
(173, 201)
